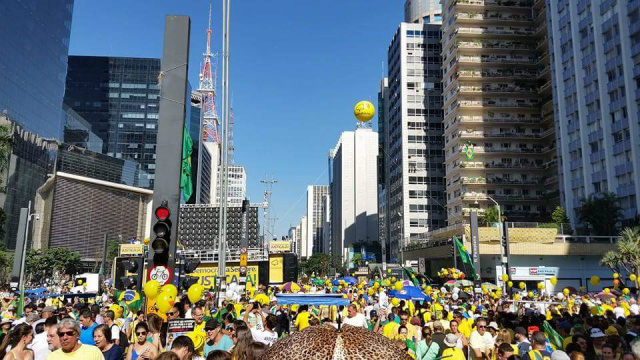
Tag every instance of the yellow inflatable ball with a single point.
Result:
(505, 277)
(516, 297)
(388, 271)
(595, 280)
(151, 289)
(554, 281)
(541, 285)
(429, 289)
(398, 286)
(530, 294)
(370, 292)
(364, 111)
(395, 302)
(195, 293)
(163, 302)
(117, 310)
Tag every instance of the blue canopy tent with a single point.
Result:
(409, 293)
(350, 280)
(311, 299)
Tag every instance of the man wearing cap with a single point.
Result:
(523, 344)
(598, 339)
(538, 344)
(451, 351)
(216, 340)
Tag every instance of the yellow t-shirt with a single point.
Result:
(453, 354)
(465, 328)
(390, 330)
(84, 352)
(302, 320)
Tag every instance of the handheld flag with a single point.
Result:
(466, 258)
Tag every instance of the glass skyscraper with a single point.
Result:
(120, 98)
(33, 64)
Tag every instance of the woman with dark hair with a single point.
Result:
(142, 349)
(18, 338)
(242, 340)
(102, 338)
(256, 349)
(154, 321)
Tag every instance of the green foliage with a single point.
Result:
(113, 248)
(600, 214)
(46, 263)
(559, 216)
(318, 263)
(626, 256)
(6, 264)
(5, 150)
(491, 215)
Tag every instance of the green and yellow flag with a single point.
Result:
(466, 258)
(185, 177)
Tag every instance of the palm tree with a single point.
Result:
(627, 254)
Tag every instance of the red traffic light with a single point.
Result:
(162, 213)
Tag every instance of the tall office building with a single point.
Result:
(33, 66)
(316, 211)
(410, 118)
(354, 199)
(78, 132)
(303, 240)
(120, 98)
(423, 11)
(595, 47)
(498, 111)
(293, 236)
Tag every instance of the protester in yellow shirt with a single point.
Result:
(390, 330)
(451, 351)
(302, 320)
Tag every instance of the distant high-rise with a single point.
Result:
(595, 52)
(410, 122)
(423, 11)
(498, 112)
(316, 211)
(303, 240)
(354, 202)
(120, 98)
(34, 44)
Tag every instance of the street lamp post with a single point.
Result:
(500, 231)
(24, 255)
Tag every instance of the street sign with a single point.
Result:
(243, 260)
(160, 273)
(422, 268)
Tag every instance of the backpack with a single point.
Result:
(124, 341)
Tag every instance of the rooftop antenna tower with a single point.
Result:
(269, 222)
(231, 147)
(208, 113)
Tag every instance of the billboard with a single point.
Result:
(207, 273)
(279, 246)
(276, 269)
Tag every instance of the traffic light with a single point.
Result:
(162, 231)
(129, 271)
(188, 267)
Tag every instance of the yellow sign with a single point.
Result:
(276, 267)
(243, 259)
(207, 273)
(131, 249)
(279, 246)
(150, 308)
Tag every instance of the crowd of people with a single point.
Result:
(456, 323)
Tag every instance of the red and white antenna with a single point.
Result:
(208, 90)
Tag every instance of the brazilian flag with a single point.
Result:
(466, 257)
(185, 177)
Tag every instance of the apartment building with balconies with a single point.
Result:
(498, 112)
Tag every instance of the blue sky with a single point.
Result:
(297, 69)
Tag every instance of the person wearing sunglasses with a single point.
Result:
(71, 348)
(481, 341)
(142, 349)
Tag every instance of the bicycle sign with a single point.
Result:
(160, 273)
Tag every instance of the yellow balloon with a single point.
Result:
(505, 277)
(554, 280)
(616, 275)
(540, 285)
(80, 282)
(633, 277)
(530, 294)
(364, 111)
(171, 290)
(395, 302)
(163, 302)
(429, 289)
(566, 292)
(398, 286)
(388, 271)
(522, 285)
(195, 293)
(152, 289)
(606, 290)
(146, 241)
(510, 284)
(370, 291)
(626, 291)
(516, 297)
(595, 280)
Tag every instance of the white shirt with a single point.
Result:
(40, 347)
(618, 311)
(266, 337)
(115, 332)
(634, 309)
(358, 321)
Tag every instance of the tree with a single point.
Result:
(357, 260)
(600, 214)
(318, 263)
(113, 249)
(6, 263)
(6, 139)
(43, 264)
(626, 256)
(490, 215)
(560, 218)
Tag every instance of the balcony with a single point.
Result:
(626, 189)
(497, 104)
(483, 150)
(619, 125)
(518, 196)
(623, 169)
(497, 89)
(498, 74)
(499, 120)
(497, 59)
(487, 44)
(503, 3)
(503, 135)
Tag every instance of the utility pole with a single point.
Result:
(224, 164)
(269, 222)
